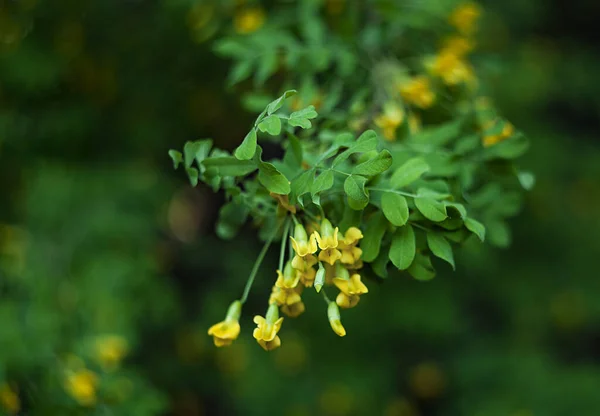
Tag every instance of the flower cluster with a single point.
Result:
(338, 258)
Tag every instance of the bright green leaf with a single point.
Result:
(192, 175)
(440, 247)
(270, 124)
(177, 158)
(409, 172)
(375, 166)
(229, 166)
(395, 208)
(323, 182)
(375, 228)
(527, 180)
(365, 143)
(273, 180)
(278, 103)
(476, 228)
(431, 209)
(301, 185)
(354, 186)
(246, 150)
(403, 248)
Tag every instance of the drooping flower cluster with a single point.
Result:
(338, 258)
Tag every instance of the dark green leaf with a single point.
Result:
(403, 248)
(231, 217)
(246, 150)
(380, 264)
(409, 172)
(375, 166)
(375, 227)
(192, 175)
(498, 233)
(431, 209)
(301, 185)
(440, 247)
(395, 208)
(323, 182)
(421, 268)
(365, 143)
(354, 186)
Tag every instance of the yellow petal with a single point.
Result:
(337, 327)
(330, 255)
(341, 284)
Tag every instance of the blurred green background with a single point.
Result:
(99, 236)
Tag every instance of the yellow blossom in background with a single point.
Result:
(9, 399)
(451, 68)
(81, 385)
(267, 328)
(350, 289)
(417, 91)
(507, 131)
(333, 314)
(414, 123)
(427, 380)
(110, 350)
(225, 332)
(464, 17)
(458, 45)
(389, 121)
(249, 20)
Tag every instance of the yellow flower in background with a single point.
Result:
(389, 121)
(414, 123)
(110, 350)
(302, 244)
(9, 399)
(249, 20)
(507, 131)
(328, 241)
(458, 45)
(267, 328)
(417, 91)
(464, 17)
(333, 314)
(350, 288)
(81, 385)
(451, 68)
(225, 332)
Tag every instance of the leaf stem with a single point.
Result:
(325, 297)
(257, 264)
(284, 238)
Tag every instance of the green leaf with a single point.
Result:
(459, 208)
(422, 269)
(229, 166)
(231, 217)
(270, 124)
(192, 175)
(177, 158)
(301, 185)
(380, 264)
(273, 180)
(375, 228)
(296, 149)
(354, 186)
(241, 70)
(527, 180)
(266, 66)
(440, 135)
(395, 208)
(476, 228)
(323, 182)
(403, 248)
(510, 148)
(196, 150)
(350, 218)
(302, 117)
(278, 103)
(246, 150)
(409, 172)
(432, 210)
(365, 143)
(440, 247)
(375, 166)
(498, 233)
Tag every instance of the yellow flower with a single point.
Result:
(418, 92)
(328, 241)
(414, 123)
(304, 263)
(225, 332)
(267, 328)
(350, 253)
(294, 310)
(507, 131)
(281, 296)
(249, 20)
(81, 385)
(9, 399)
(458, 45)
(289, 278)
(451, 68)
(391, 118)
(464, 17)
(110, 350)
(350, 288)
(333, 314)
(302, 244)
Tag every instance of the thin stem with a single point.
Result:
(325, 297)
(339, 171)
(257, 263)
(284, 239)
(394, 192)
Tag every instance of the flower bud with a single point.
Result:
(333, 313)
(320, 278)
